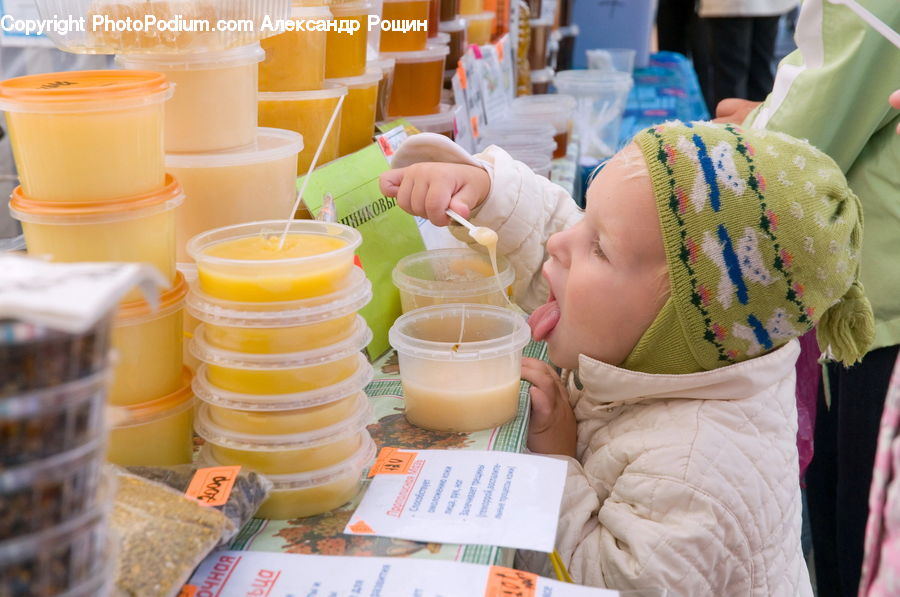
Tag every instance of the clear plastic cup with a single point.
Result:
(470, 7)
(308, 113)
(157, 432)
(460, 385)
(345, 54)
(387, 66)
(404, 11)
(314, 492)
(537, 49)
(479, 27)
(137, 229)
(149, 347)
(601, 97)
(282, 373)
(288, 453)
(243, 263)
(441, 123)
(358, 113)
(273, 328)
(279, 414)
(612, 59)
(541, 80)
(516, 133)
(554, 108)
(214, 106)
(248, 184)
(418, 80)
(445, 276)
(457, 30)
(87, 135)
(295, 60)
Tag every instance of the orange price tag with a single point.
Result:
(499, 48)
(462, 76)
(390, 461)
(507, 582)
(188, 591)
(212, 486)
(475, 127)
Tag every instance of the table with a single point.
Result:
(322, 534)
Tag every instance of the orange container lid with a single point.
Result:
(153, 410)
(169, 300)
(83, 86)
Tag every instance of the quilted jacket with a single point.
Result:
(683, 482)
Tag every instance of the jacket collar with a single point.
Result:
(606, 384)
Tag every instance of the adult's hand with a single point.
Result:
(895, 102)
(734, 110)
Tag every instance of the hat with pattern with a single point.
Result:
(762, 238)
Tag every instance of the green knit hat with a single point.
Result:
(762, 238)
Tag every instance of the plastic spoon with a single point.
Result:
(480, 234)
(876, 23)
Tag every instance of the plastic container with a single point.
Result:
(402, 11)
(308, 113)
(537, 49)
(540, 163)
(248, 184)
(541, 80)
(284, 373)
(444, 276)
(358, 113)
(57, 559)
(470, 7)
(449, 9)
(418, 80)
(556, 109)
(457, 31)
(242, 263)
(279, 414)
(214, 106)
(272, 328)
(87, 135)
(47, 422)
(460, 385)
(601, 98)
(188, 37)
(387, 66)
(479, 27)
(516, 134)
(345, 54)
(441, 123)
(34, 357)
(314, 492)
(295, 60)
(136, 229)
(288, 453)
(615, 59)
(155, 433)
(189, 271)
(149, 345)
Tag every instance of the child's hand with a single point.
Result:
(429, 189)
(552, 428)
(895, 103)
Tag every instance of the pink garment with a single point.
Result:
(809, 372)
(881, 563)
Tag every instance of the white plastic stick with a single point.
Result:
(461, 220)
(876, 23)
(312, 166)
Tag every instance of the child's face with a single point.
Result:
(607, 274)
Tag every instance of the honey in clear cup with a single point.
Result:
(471, 7)
(308, 113)
(87, 135)
(418, 80)
(295, 60)
(402, 11)
(358, 113)
(345, 54)
(480, 27)
(387, 66)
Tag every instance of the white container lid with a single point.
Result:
(211, 394)
(350, 9)
(310, 12)
(308, 311)
(328, 91)
(416, 274)
(371, 77)
(429, 54)
(441, 38)
(255, 442)
(454, 26)
(544, 75)
(433, 123)
(385, 64)
(542, 104)
(482, 16)
(518, 127)
(240, 56)
(270, 145)
(588, 82)
(207, 353)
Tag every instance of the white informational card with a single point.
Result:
(462, 496)
(245, 573)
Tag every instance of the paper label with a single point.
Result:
(508, 582)
(212, 486)
(188, 591)
(391, 461)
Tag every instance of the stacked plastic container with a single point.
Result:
(480, 21)
(282, 376)
(54, 497)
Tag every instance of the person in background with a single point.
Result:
(680, 29)
(832, 91)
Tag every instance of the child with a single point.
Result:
(674, 298)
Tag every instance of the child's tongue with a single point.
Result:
(544, 319)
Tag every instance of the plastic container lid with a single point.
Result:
(55, 468)
(517, 335)
(270, 145)
(351, 467)
(542, 104)
(482, 16)
(441, 38)
(45, 401)
(429, 54)
(83, 91)
(441, 122)
(358, 340)
(140, 311)
(240, 56)
(310, 12)
(544, 75)
(168, 406)
(453, 26)
(309, 311)
(216, 434)
(415, 274)
(328, 91)
(385, 64)
(34, 211)
(589, 82)
(350, 9)
(211, 394)
(519, 129)
(371, 77)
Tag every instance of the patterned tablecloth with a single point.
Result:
(322, 534)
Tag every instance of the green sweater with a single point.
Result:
(833, 91)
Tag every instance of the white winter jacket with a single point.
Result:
(745, 8)
(683, 482)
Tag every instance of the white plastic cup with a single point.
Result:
(555, 109)
(601, 97)
(612, 59)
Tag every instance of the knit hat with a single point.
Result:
(762, 238)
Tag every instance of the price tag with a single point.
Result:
(188, 591)
(391, 461)
(506, 582)
(461, 73)
(212, 486)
